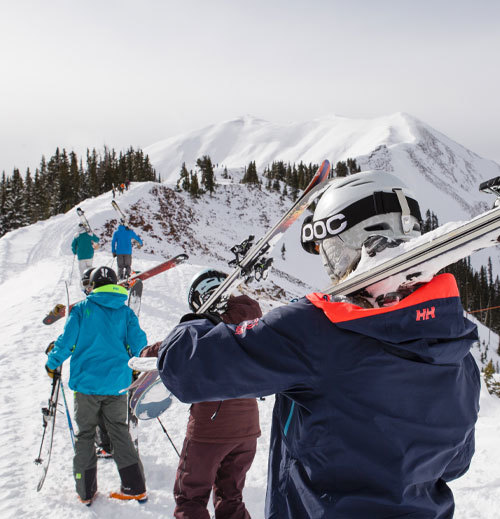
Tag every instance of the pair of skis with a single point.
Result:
(84, 220)
(123, 217)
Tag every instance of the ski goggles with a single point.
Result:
(376, 204)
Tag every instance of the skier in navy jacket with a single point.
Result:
(375, 403)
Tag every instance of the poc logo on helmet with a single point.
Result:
(324, 228)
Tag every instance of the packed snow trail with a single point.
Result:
(34, 262)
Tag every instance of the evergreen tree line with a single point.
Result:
(296, 177)
(478, 290)
(293, 177)
(63, 181)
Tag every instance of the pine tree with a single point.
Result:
(250, 176)
(3, 201)
(492, 385)
(183, 181)
(13, 209)
(194, 189)
(352, 166)
(65, 192)
(75, 179)
(91, 176)
(341, 169)
(207, 173)
(28, 208)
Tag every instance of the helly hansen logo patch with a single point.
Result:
(426, 313)
(247, 325)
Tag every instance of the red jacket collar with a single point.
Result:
(442, 286)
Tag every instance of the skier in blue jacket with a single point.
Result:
(121, 247)
(101, 334)
(376, 403)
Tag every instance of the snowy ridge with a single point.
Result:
(441, 172)
(34, 262)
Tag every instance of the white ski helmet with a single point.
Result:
(354, 209)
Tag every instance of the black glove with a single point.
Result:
(53, 373)
(50, 347)
(114, 254)
(213, 318)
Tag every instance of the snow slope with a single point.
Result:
(35, 261)
(442, 173)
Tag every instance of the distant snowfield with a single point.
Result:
(35, 261)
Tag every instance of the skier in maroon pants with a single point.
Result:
(221, 437)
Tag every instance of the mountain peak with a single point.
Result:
(427, 160)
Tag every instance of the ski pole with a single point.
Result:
(72, 267)
(169, 439)
(47, 412)
(68, 416)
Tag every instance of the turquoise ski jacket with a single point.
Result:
(101, 334)
(82, 245)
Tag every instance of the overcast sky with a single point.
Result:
(88, 73)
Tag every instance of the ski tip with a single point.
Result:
(324, 169)
(321, 175)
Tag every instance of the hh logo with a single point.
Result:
(247, 325)
(426, 313)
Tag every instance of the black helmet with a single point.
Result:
(101, 276)
(86, 279)
(202, 285)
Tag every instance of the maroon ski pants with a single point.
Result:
(218, 466)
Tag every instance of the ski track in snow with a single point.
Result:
(34, 262)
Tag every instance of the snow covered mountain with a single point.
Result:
(442, 173)
(36, 260)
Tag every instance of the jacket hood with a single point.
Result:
(427, 326)
(122, 227)
(110, 296)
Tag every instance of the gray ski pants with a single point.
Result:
(84, 264)
(124, 262)
(114, 413)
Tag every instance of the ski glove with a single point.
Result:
(114, 254)
(213, 318)
(50, 347)
(53, 373)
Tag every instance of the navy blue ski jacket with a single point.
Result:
(375, 408)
